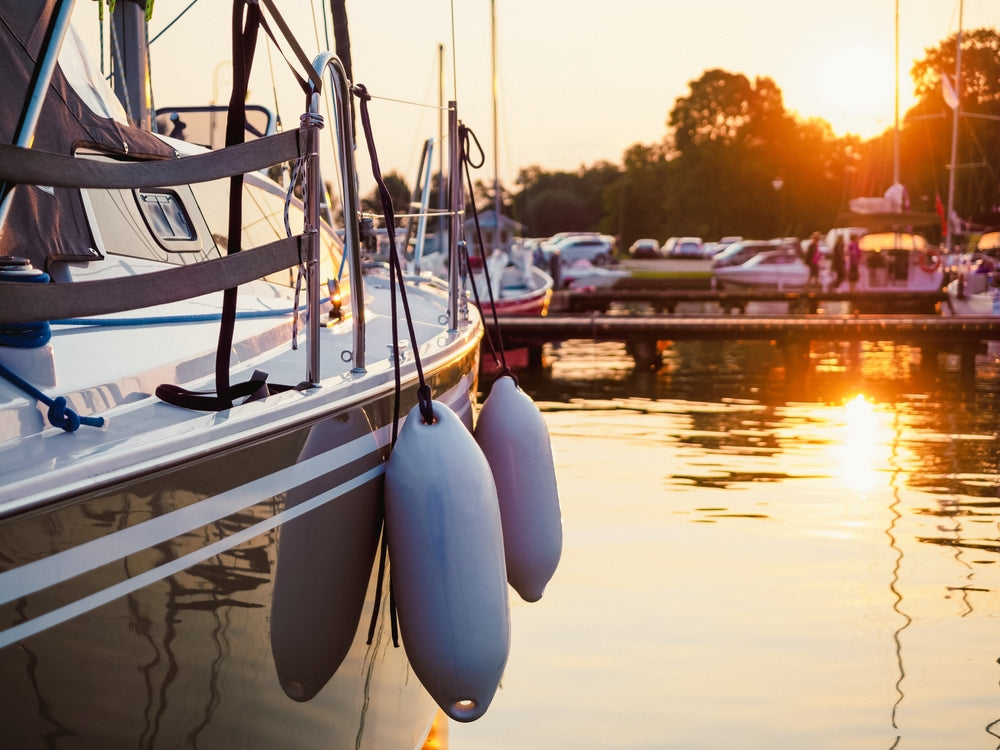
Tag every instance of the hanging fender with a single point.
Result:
(512, 434)
(446, 562)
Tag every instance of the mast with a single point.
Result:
(954, 130)
(131, 76)
(497, 202)
(895, 141)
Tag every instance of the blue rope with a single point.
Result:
(164, 319)
(37, 335)
(28, 336)
(60, 415)
(25, 335)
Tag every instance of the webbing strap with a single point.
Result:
(245, 29)
(29, 303)
(33, 167)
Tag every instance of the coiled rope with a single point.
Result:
(33, 336)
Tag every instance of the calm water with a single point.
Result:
(750, 564)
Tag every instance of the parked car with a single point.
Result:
(740, 252)
(682, 247)
(645, 248)
(599, 249)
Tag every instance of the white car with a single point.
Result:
(682, 247)
(645, 248)
(599, 249)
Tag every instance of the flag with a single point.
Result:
(939, 210)
(948, 91)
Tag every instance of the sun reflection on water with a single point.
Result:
(865, 447)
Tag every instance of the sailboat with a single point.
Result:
(201, 395)
(976, 287)
(512, 284)
(895, 257)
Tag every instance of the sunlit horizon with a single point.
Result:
(579, 83)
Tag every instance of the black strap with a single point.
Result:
(208, 400)
(244, 44)
(254, 389)
(34, 167)
(31, 303)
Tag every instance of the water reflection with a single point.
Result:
(894, 587)
(713, 371)
(861, 446)
(818, 564)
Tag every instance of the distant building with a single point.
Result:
(509, 229)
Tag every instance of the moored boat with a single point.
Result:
(515, 285)
(781, 270)
(191, 476)
(975, 290)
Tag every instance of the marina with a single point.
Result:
(810, 565)
(668, 298)
(295, 454)
(793, 334)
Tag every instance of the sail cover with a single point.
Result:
(48, 224)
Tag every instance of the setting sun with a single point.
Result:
(855, 89)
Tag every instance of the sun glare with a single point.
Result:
(855, 90)
(861, 450)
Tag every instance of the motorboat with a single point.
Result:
(975, 288)
(516, 285)
(201, 397)
(582, 274)
(781, 270)
(896, 261)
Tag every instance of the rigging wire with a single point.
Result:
(176, 19)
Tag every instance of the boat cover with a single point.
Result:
(49, 224)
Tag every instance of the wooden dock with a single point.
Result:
(641, 333)
(663, 298)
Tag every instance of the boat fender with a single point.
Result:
(512, 433)
(446, 562)
(325, 558)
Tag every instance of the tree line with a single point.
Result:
(733, 160)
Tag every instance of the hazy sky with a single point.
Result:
(579, 81)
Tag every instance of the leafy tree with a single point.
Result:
(926, 137)
(734, 161)
(551, 202)
(399, 192)
(633, 203)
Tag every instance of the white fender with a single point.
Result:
(512, 433)
(322, 573)
(447, 562)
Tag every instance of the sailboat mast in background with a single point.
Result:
(497, 201)
(954, 130)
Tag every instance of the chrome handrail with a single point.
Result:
(351, 204)
(456, 193)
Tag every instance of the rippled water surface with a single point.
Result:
(750, 563)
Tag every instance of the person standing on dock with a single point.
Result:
(853, 261)
(812, 259)
(837, 262)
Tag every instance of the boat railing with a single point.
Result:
(30, 303)
(341, 98)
